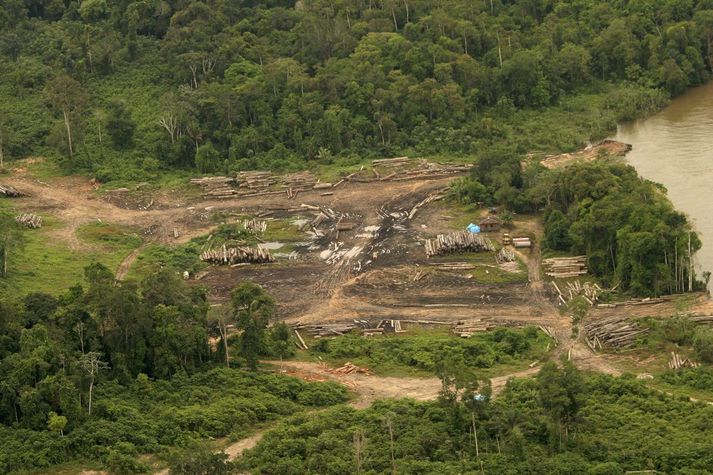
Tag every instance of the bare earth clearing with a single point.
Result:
(378, 269)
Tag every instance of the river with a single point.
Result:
(675, 148)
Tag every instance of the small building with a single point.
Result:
(490, 223)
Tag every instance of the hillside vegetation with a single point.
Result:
(125, 88)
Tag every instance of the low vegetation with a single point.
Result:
(421, 351)
(153, 416)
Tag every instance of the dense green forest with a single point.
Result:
(561, 422)
(626, 226)
(110, 370)
(124, 88)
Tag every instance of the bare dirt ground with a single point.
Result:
(376, 270)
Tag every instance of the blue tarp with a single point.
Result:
(473, 228)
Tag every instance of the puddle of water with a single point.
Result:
(271, 246)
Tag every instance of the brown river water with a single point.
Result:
(675, 148)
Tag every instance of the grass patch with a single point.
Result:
(109, 236)
(47, 264)
(181, 258)
(416, 352)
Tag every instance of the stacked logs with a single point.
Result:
(29, 220)
(561, 267)
(301, 181)
(216, 186)
(461, 241)
(255, 225)
(702, 319)
(237, 255)
(390, 162)
(617, 332)
(255, 180)
(677, 362)
(467, 328)
(10, 192)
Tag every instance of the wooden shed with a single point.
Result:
(490, 223)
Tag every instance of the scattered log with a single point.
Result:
(676, 362)
(10, 192)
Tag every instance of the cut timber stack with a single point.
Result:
(677, 362)
(505, 255)
(461, 241)
(237, 255)
(254, 181)
(326, 329)
(349, 368)
(617, 332)
(390, 162)
(10, 192)
(561, 267)
(29, 220)
(702, 319)
(254, 225)
(301, 181)
(466, 328)
(216, 186)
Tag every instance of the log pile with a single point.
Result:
(616, 332)
(237, 255)
(461, 241)
(10, 192)
(216, 186)
(255, 225)
(301, 181)
(702, 319)
(590, 291)
(467, 328)
(349, 368)
(391, 162)
(326, 329)
(505, 255)
(676, 362)
(429, 170)
(29, 220)
(561, 267)
(255, 180)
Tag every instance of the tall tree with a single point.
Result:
(252, 309)
(92, 364)
(68, 96)
(10, 236)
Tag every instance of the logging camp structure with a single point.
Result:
(490, 224)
